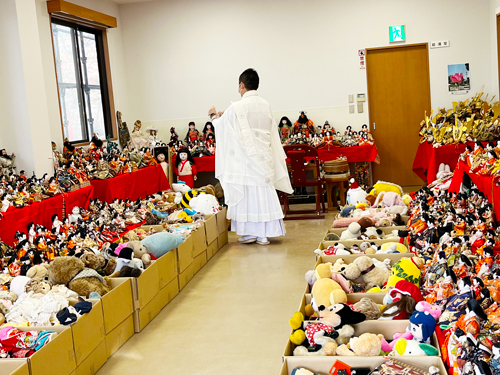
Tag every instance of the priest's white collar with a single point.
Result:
(250, 93)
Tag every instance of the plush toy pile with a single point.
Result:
(468, 121)
(15, 343)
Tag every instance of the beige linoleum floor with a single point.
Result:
(232, 317)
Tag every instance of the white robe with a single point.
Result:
(251, 165)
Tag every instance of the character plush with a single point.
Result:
(388, 199)
(393, 247)
(205, 203)
(336, 249)
(327, 292)
(371, 233)
(400, 301)
(352, 232)
(414, 348)
(381, 186)
(372, 275)
(366, 345)
(355, 194)
(140, 252)
(406, 269)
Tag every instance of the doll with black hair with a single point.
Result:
(285, 126)
(192, 133)
(463, 266)
(444, 289)
(303, 124)
(484, 264)
(185, 168)
(207, 129)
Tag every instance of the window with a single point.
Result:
(82, 81)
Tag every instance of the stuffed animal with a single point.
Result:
(381, 186)
(392, 247)
(371, 233)
(366, 345)
(38, 286)
(71, 271)
(388, 199)
(332, 237)
(161, 243)
(205, 203)
(18, 284)
(38, 271)
(352, 232)
(336, 249)
(140, 252)
(355, 194)
(365, 222)
(400, 301)
(327, 292)
(415, 348)
(406, 269)
(371, 274)
(368, 307)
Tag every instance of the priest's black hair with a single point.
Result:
(250, 79)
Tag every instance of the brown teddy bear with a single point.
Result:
(38, 271)
(368, 307)
(366, 345)
(71, 271)
(372, 275)
(38, 286)
(140, 252)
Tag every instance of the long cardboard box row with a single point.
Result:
(83, 347)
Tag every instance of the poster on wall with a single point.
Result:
(458, 78)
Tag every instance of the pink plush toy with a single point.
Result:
(425, 306)
(120, 247)
(389, 199)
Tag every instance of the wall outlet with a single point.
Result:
(440, 44)
(351, 98)
(351, 108)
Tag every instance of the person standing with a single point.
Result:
(250, 164)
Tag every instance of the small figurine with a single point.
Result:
(327, 128)
(174, 138)
(153, 139)
(162, 160)
(303, 124)
(192, 134)
(123, 133)
(185, 169)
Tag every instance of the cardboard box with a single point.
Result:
(88, 332)
(386, 230)
(387, 328)
(94, 361)
(223, 239)
(168, 293)
(145, 315)
(146, 286)
(199, 241)
(199, 262)
(57, 357)
(118, 304)
(212, 249)
(167, 268)
(222, 224)
(14, 366)
(185, 254)
(120, 335)
(322, 365)
(211, 229)
(186, 276)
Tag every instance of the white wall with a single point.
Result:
(184, 56)
(492, 13)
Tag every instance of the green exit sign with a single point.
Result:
(397, 33)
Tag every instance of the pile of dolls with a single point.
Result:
(457, 237)
(471, 120)
(384, 205)
(483, 160)
(304, 132)
(197, 144)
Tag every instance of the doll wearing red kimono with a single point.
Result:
(185, 168)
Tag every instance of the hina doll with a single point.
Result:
(207, 130)
(483, 266)
(303, 124)
(494, 362)
(473, 318)
(463, 267)
(192, 134)
(285, 125)
(162, 161)
(185, 168)
(444, 289)
(455, 304)
(148, 158)
(210, 140)
(327, 128)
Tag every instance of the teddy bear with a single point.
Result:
(352, 232)
(140, 252)
(71, 271)
(365, 222)
(368, 247)
(99, 263)
(370, 308)
(371, 233)
(38, 286)
(326, 292)
(7, 299)
(38, 271)
(372, 275)
(366, 345)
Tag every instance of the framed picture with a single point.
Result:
(458, 78)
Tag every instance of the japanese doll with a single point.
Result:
(185, 168)
(192, 134)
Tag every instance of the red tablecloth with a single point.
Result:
(428, 159)
(355, 154)
(138, 184)
(41, 213)
(483, 183)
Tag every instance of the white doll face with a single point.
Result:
(183, 156)
(75, 210)
(161, 158)
(416, 331)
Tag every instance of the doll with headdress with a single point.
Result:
(304, 125)
(207, 130)
(483, 265)
(185, 168)
(463, 266)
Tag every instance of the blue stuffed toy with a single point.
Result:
(422, 325)
(161, 243)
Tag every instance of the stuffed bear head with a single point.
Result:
(140, 252)
(63, 269)
(365, 222)
(93, 261)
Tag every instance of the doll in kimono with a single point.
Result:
(207, 130)
(303, 124)
(185, 168)
(494, 361)
(456, 303)
(193, 134)
(483, 266)
(285, 125)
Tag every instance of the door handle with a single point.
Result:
(374, 126)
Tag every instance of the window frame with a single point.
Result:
(104, 77)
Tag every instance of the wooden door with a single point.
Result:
(398, 95)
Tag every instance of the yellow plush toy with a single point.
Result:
(381, 186)
(327, 292)
(406, 269)
(407, 199)
(394, 246)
